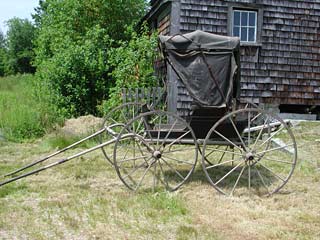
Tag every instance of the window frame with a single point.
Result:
(259, 20)
(246, 26)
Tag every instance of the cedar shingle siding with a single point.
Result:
(283, 67)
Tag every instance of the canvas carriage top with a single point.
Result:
(207, 64)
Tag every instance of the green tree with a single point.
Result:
(132, 64)
(2, 54)
(72, 47)
(20, 38)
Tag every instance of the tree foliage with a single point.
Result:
(132, 64)
(72, 47)
(2, 54)
(20, 54)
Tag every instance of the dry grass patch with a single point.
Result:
(84, 199)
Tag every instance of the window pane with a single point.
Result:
(252, 19)
(236, 31)
(244, 34)
(251, 35)
(236, 18)
(244, 18)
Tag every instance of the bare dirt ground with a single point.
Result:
(84, 199)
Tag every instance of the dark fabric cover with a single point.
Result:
(206, 64)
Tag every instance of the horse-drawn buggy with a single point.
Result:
(242, 148)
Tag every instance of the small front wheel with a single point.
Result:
(155, 149)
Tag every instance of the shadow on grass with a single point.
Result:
(257, 174)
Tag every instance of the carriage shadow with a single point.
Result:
(256, 183)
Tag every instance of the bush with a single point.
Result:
(132, 65)
(77, 75)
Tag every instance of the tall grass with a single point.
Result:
(23, 114)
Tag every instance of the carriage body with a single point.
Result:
(207, 66)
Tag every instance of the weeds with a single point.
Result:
(23, 115)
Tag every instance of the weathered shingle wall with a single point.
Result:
(286, 67)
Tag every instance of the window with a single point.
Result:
(245, 25)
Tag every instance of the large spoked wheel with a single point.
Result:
(259, 153)
(115, 120)
(156, 149)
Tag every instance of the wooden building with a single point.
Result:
(280, 46)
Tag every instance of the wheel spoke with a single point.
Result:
(128, 147)
(177, 172)
(263, 182)
(143, 176)
(125, 155)
(178, 160)
(249, 127)
(272, 135)
(228, 140)
(178, 150)
(235, 128)
(212, 151)
(154, 175)
(221, 179)
(158, 177)
(132, 159)
(280, 161)
(272, 172)
(249, 177)
(158, 138)
(124, 117)
(255, 117)
(168, 134)
(238, 179)
(164, 175)
(224, 151)
(146, 126)
(136, 168)
(260, 132)
(114, 121)
(137, 131)
(219, 164)
(179, 138)
(275, 149)
(222, 155)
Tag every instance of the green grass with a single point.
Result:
(22, 114)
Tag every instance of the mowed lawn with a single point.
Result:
(84, 199)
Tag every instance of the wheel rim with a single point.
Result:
(148, 157)
(115, 120)
(260, 155)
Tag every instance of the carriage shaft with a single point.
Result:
(63, 160)
(55, 154)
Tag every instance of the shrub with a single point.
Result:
(132, 65)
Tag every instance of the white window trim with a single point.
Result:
(247, 26)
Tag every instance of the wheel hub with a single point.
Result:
(157, 154)
(249, 158)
